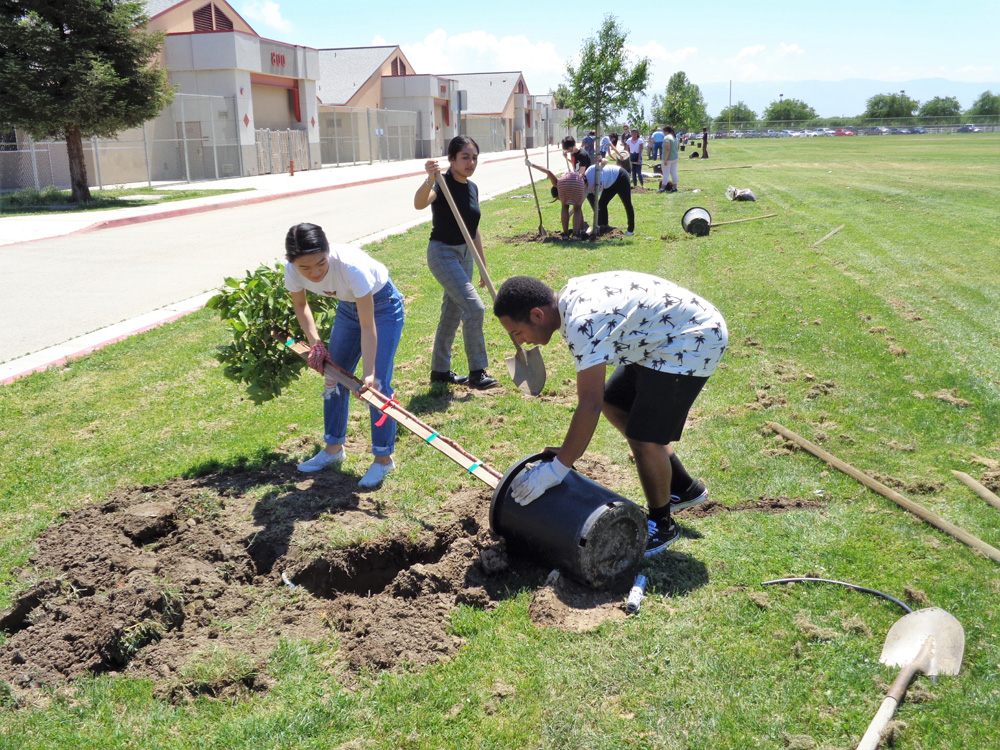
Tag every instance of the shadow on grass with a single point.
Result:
(437, 399)
(674, 573)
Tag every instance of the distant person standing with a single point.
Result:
(657, 139)
(635, 145)
(589, 142)
(668, 178)
(704, 143)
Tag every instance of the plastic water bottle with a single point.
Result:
(636, 594)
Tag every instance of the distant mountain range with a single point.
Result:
(835, 98)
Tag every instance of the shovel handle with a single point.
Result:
(442, 186)
(895, 696)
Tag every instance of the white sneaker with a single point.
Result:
(629, 234)
(322, 459)
(375, 474)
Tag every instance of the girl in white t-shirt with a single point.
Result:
(367, 327)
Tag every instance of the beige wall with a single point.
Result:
(271, 108)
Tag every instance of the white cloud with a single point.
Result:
(786, 50)
(656, 53)
(482, 52)
(267, 13)
(750, 51)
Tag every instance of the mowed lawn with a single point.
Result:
(881, 344)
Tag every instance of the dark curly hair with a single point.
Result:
(518, 295)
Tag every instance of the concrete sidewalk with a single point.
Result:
(24, 236)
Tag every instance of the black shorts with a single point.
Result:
(657, 402)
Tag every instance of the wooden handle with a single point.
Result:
(738, 221)
(531, 177)
(979, 489)
(480, 470)
(878, 724)
(479, 261)
(443, 187)
(918, 510)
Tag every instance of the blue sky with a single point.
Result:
(756, 42)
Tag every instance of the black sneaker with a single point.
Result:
(480, 380)
(693, 495)
(662, 534)
(437, 376)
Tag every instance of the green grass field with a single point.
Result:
(881, 344)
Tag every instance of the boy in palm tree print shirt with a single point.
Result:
(624, 317)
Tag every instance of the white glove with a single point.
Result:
(527, 161)
(530, 484)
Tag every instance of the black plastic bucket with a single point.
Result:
(587, 531)
(697, 221)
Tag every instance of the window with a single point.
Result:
(210, 18)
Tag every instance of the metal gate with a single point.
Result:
(278, 149)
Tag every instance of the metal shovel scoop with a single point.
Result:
(927, 640)
(526, 368)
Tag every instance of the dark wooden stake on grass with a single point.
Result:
(918, 510)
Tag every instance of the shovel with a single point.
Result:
(531, 176)
(526, 367)
(927, 640)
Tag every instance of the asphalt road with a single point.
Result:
(57, 289)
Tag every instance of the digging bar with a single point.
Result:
(918, 510)
(531, 176)
(390, 407)
(526, 368)
(981, 490)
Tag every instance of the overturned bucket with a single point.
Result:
(697, 221)
(587, 531)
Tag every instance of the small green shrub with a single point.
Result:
(252, 308)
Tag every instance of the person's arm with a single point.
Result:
(369, 338)
(589, 403)
(425, 195)
(303, 313)
(551, 175)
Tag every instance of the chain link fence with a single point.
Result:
(762, 128)
(356, 135)
(195, 138)
(490, 133)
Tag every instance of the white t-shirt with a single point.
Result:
(625, 317)
(636, 146)
(353, 273)
(609, 173)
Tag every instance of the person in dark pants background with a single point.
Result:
(614, 181)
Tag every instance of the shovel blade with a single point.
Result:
(527, 370)
(909, 633)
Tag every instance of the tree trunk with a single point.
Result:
(77, 166)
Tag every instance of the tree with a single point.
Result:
(987, 105)
(737, 114)
(603, 85)
(681, 105)
(886, 106)
(947, 106)
(560, 96)
(77, 69)
(788, 112)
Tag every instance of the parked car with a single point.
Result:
(787, 133)
(825, 131)
(809, 134)
(876, 130)
(970, 129)
(751, 134)
(899, 131)
(917, 130)
(843, 131)
(769, 133)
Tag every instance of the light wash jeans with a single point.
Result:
(452, 267)
(345, 351)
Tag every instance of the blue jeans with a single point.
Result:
(657, 150)
(461, 304)
(345, 351)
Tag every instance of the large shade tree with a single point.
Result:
(681, 105)
(604, 83)
(75, 69)
(738, 114)
(941, 106)
(788, 112)
(890, 106)
(987, 105)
